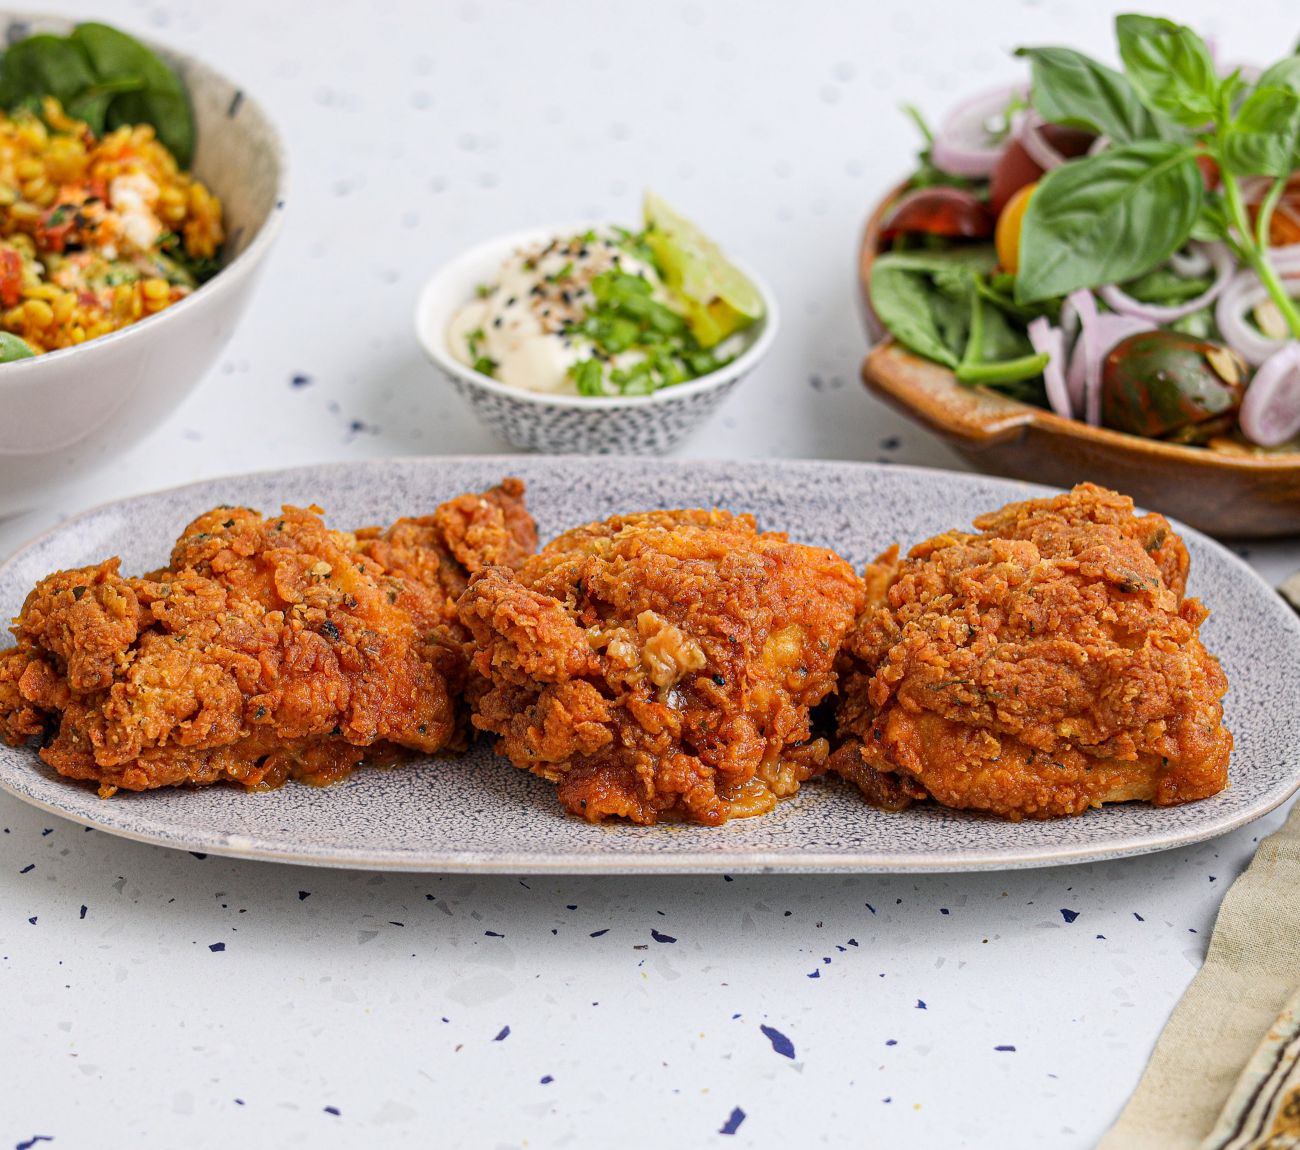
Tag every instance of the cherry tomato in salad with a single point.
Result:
(1168, 385)
(939, 211)
(1015, 169)
(1008, 230)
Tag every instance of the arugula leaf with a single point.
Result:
(1108, 218)
(1071, 88)
(1165, 287)
(1170, 68)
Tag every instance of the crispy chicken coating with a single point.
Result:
(267, 649)
(1043, 666)
(662, 665)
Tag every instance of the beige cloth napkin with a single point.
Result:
(1224, 1073)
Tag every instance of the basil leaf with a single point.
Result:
(159, 99)
(1071, 88)
(1262, 137)
(1170, 68)
(1107, 218)
(12, 348)
(923, 298)
(1284, 74)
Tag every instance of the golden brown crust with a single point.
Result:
(1043, 666)
(269, 648)
(663, 664)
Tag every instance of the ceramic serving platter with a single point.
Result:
(478, 813)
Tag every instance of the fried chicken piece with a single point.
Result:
(1043, 666)
(662, 665)
(268, 649)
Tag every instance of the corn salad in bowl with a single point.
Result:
(95, 232)
(140, 193)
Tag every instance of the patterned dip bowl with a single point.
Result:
(572, 424)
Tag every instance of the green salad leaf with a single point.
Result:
(1170, 67)
(1073, 89)
(104, 77)
(12, 348)
(1108, 218)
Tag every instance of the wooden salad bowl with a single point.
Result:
(1242, 496)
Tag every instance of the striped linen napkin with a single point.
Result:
(1225, 1074)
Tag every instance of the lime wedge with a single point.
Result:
(719, 300)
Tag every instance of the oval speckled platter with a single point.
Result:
(478, 813)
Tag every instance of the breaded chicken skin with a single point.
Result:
(268, 649)
(1043, 666)
(662, 665)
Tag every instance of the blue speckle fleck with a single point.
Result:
(332, 1110)
(920, 1004)
(46, 1138)
(84, 908)
(734, 1119)
(1005, 1049)
(546, 1080)
(216, 947)
(815, 974)
(493, 934)
(891, 1041)
(661, 937)
(33, 919)
(780, 1043)
(1138, 917)
(28, 867)
(298, 379)
(1069, 915)
(505, 1033)
(302, 894)
(598, 933)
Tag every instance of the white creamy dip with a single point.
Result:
(522, 320)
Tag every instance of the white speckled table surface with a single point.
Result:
(157, 998)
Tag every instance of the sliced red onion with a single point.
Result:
(1050, 341)
(1243, 294)
(1224, 266)
(963, 145)
(1025, 126)
(1097, 335)
(1270, 413)
(1078, 314)
(1192, 262)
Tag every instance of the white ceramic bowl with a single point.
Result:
(64, 413)
(572, 424)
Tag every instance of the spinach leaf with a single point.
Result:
(923, 298)
(160, 99)
(1108, 218)
(1071, 88)
(104, 77)
(45, 65)
(1170, 68)
(12, 348)
(1165, 287)
(1262, 137)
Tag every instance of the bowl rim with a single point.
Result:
(492, 249)
(1026, 414)
(243, 263)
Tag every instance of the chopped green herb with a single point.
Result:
(484, 290)
(486, 365)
